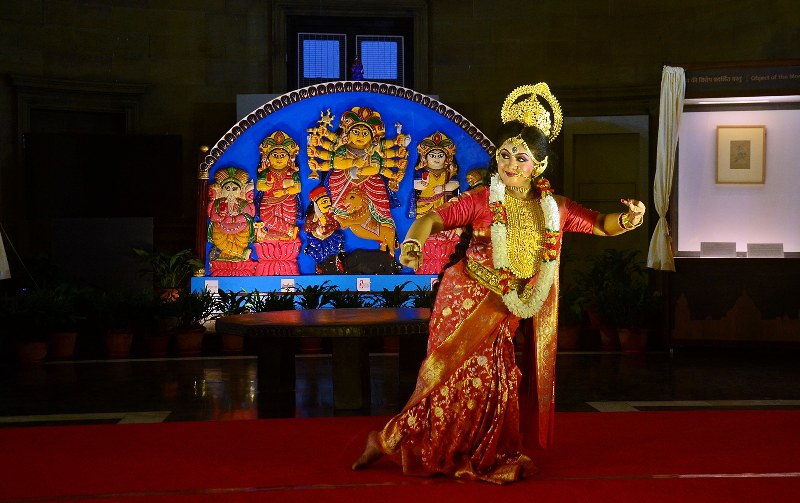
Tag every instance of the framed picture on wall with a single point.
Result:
(741, 154)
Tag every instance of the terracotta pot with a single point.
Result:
(31, 352)
(168, 294)
(157, 345)
(632, 340)
(118, 343)
(232, 344)
(61, 345)
(609, 338)
(189, 341)
(568, 337)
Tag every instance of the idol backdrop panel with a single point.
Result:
(326, 180)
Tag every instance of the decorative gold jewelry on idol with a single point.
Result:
(437, 141)
(525, 229)
(530, 111)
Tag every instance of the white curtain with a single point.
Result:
(673, 88)
(5, 272)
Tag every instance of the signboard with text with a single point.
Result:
(743, 81)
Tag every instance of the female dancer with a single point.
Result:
(463, 419)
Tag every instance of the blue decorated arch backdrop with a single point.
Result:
(299, 111)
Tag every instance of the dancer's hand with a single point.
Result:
(636, 210)
(411, 254)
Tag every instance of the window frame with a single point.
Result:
(412, 12)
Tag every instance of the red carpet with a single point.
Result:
(639, 456)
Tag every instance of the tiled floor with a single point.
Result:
(218, 388)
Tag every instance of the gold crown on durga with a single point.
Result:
(523, 105)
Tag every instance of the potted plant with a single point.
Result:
(191, 311)
(154, 322)
(170, 270)
(421, 297)
(270, 301)
(115, 315)
(396, 297)
(612, 291)
(64, 307)
(632, 313)
(21, 317)
(341, 299)
(570, 317)
(315, 296)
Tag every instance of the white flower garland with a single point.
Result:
(547, 271)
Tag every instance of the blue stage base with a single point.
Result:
(351, 282)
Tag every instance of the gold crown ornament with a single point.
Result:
(231, 174)
(523, 105)
(279, 140)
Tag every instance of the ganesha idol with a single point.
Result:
(435, 183)
(230, 228)
(277, 243)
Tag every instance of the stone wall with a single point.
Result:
(196, 56)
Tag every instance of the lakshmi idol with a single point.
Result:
(472, 415)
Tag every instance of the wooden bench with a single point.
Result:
(348, 329)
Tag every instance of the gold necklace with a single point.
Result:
(521, 191)
(525, 229)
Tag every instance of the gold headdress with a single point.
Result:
(278, 141)
(364, 116)
(436, 141)
(231, 174)
(530, 111)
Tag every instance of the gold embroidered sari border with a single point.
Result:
(451, 354)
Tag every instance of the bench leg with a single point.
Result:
(276, 378)
(351, 380)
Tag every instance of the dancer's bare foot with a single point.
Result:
(372, 452)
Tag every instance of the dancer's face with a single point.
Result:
(515, 164)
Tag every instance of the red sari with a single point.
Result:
(463, 419)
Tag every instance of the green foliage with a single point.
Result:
(21, 316)
(346, 298)
(617, 286)
(231, 302)
(421, 297)
(123, 309)
(395, 297)
(170, 270)
(270, 301)
(315, 296)
(570, 309)
(192, 309)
